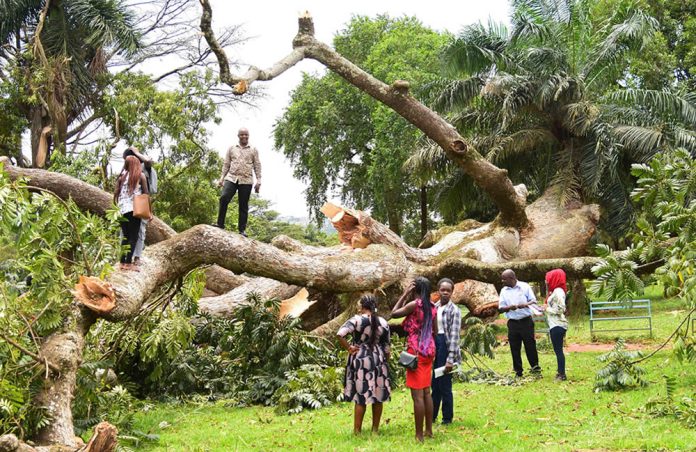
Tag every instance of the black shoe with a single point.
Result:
(536, 370)
(561, 377)
(217, 225)
(446, 422)
(243, 234)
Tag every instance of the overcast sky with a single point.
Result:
(272, 25)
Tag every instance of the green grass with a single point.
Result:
(535, 415)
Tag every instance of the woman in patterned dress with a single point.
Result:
(367, 375)
(419, 324)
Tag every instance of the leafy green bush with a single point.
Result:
(310, 386)
(478, 338)
(620, 371)
(45, 243)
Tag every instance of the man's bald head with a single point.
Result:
(509, 278)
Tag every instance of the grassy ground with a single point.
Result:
(534, 415)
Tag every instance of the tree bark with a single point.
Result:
(64, 348)
(491, 179)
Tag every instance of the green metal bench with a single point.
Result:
(599, 308)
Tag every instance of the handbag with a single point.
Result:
(141, 207)
(408, 360)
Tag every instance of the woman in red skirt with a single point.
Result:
(415, 305)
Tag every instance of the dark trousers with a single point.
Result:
(130, 227)
(442, 387)
(520, 331)
(228, 191)
(557, 334)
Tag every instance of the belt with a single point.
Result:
(519, 320)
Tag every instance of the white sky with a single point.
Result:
(272, 25)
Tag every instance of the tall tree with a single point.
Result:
(68, 43)
(547, 100)
(340, 139)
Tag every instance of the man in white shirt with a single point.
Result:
(516, 297)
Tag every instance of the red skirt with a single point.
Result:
(421, 377)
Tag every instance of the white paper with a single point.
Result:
(440, 371)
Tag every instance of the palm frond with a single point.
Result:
(458, 93)
(476, 50)
(16, 14)
(629, 35)
(429, 160)
(643, 141)
(109, 23)
(682, 107)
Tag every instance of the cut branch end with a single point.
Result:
(95, 294)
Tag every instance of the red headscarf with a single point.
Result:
(554, 279)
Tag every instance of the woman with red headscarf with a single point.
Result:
(555, 316)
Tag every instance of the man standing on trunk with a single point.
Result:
(240, 161)
(447, 351)
(515, 299)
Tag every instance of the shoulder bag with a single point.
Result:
(141, 207)
(408, 360)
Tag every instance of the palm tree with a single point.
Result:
(68, 43)
(549, 100)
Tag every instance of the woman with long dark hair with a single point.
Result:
(367, 374)
(555, 316)
(130, 182)
(420, 313)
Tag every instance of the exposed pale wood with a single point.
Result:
(104, 439)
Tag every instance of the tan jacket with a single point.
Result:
(239, 163)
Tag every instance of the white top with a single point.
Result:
(440, 320)
(513, 296)
(555, 310)
(125, 199)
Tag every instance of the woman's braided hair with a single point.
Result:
(370, 302)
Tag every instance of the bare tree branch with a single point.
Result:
(493, 180)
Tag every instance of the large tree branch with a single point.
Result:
(493, 180)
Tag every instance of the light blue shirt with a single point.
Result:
(516, 295)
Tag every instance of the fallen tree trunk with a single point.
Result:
(97, 201)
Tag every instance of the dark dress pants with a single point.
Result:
(522, 331)
(442, 386)
(130, 227)
(228, 191)
(557, 334)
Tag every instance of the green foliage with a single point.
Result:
(616, 280)
(678, 26)
(683, 410)
(339, 139)
(311, 386)
(620, 372)
(665, 233)
(45, 244)
(248, 358)
(547, 100)
(478, 337)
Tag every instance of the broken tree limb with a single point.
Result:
(493, 180)
(97, 201)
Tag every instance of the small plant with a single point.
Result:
(310, 386)
(620, 371)
(683, 410)
(479, 337)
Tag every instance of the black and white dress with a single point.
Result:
(367, 373)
